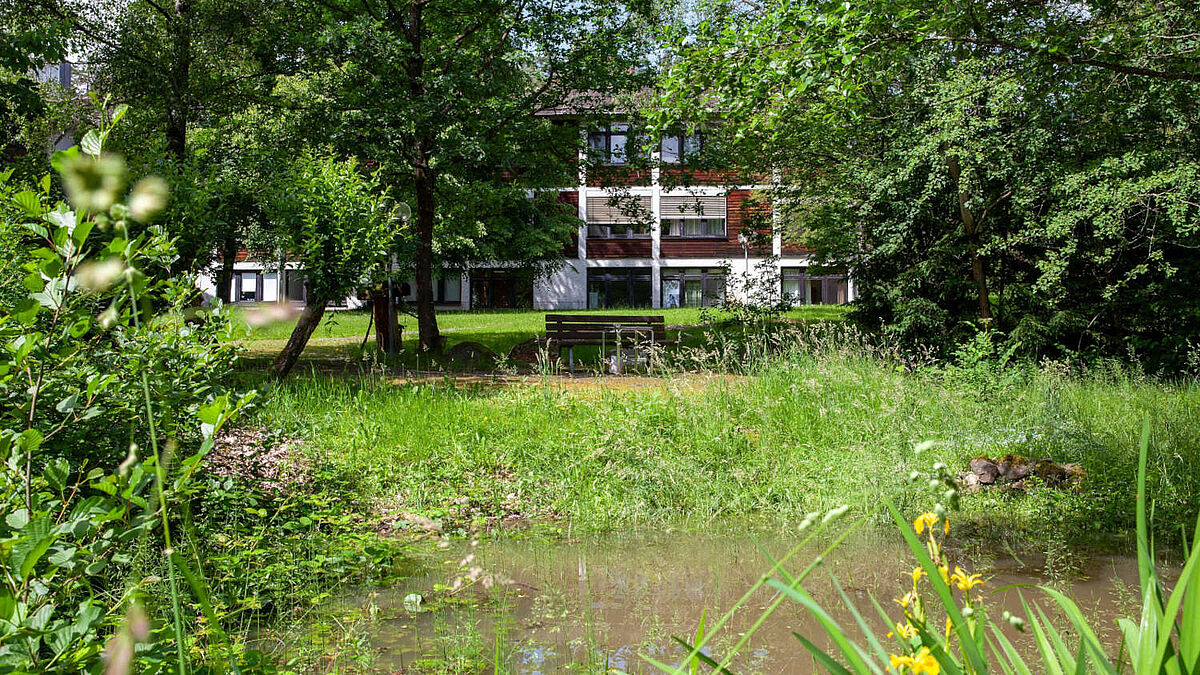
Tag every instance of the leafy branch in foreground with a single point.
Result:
(1165, 639)
(82, 352)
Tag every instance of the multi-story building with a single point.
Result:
(655, 233)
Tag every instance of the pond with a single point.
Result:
(545, 605)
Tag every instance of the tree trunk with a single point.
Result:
(180, 76)
(310, 318)
(971, 228)
(229, 249)
(429, 339)
(383, 316)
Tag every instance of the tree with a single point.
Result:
(446, 95)
(185, 65)
(334, 221)
(29, 41)
(1026, 165)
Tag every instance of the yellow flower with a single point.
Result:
(964, 581)
(917, 573)
(908, 599)
(904, 630)
(923, 521)
(945, 572)
(924, 663)
(921, 664)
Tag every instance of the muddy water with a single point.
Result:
(590, 605)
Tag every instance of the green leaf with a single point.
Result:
(29, 203)
(92, 143)
(18, 519)
(67, 405)
(56, 474)
(36, 540)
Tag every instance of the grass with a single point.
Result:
(340, 332)
(809, 433)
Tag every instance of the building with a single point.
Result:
(644, 241)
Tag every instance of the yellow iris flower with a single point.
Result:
(917, 573)
(922, 663)
(928, 520)
(907, 599)
(904, 630)
(964, 581)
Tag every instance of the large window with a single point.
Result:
(610, 145)
(693, 216)
(610, 287)
(501, 289)
(693, 227)
(676, 149)
(801, 289)
(619, 217)
(693, 287)
(247, 287)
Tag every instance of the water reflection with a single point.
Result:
(597, 604)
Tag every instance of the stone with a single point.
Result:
(985, 470)
(529, 351)
(470, 354)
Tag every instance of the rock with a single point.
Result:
(1013, 472)
(470, 354)
(985, 470)
(528, 351)
(1014, 468)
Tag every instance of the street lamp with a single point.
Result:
(745, 242)
(402, 213)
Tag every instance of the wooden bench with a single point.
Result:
(627, 330)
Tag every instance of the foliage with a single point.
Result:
(449, 98)
(1164, 640)
(332, 219)
(1024, 164)
(104, 360)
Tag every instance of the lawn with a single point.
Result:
(340, 332)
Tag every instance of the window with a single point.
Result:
(676, 149)
(246, 287)
(801, 289)
(693, 227)
(610, 145)
(618, 287)
(693, 287)
(689, 216)
(627, 218)
(449, 290)
(501, 289)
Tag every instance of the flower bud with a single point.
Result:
(148, 199)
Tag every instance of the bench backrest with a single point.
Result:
(592, 329)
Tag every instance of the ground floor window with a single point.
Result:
(618, 287)
(501, 289)
(247, 286)
(693, 287)
(293, 286)
(802, 289)
(446, 290)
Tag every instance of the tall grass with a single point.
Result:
(811, 430)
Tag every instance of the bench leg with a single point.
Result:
(571, 358)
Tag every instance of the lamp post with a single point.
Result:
(402, 213)
(745, 242)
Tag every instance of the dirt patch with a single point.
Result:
(264, 461)
(587, 383)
